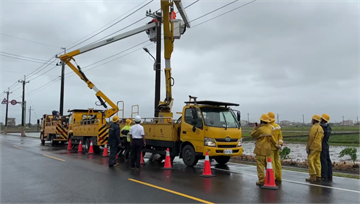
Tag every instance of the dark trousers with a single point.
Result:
(137, 146)
(326, 165)
(112, 156)
(127, 150)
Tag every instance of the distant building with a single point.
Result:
(244, 122)
(11, 122)
(285, 122)
(347, 123)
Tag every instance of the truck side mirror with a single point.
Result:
(238, 116)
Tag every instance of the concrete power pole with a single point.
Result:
(61, 109)
(278, 121)
(158, 64)
(248, 119)
(7, 108)
(23, 106)
(303, 120)
(30, 116)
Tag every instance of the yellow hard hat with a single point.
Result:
(271, 116)
(128, 121)
(115, 118)
(265, 118)
(325, 117)
(316, 117)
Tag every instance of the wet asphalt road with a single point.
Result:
(29, 176)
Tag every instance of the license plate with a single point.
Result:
(228, 151)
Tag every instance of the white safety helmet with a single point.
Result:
(137, 119)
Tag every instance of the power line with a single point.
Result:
(21, 56)
(225, 13)
(71, 73)
(22, 59)
(112, 24)
(30, 40)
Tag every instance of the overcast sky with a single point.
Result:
(289, 57)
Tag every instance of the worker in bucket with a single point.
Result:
(326, 165)
(262, 134)
(137, 142)
(114, 140)
(125, 139)
(276, 147)
(313, 149)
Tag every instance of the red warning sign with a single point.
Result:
(13, 102)
(4, 101)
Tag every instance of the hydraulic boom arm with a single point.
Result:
(66, 58)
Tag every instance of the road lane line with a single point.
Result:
(290, 181)
(53, 157)
(241, 166)
(17, 147)
(170, 191)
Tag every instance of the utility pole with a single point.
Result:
(62, 84)
(7, 108)
(248, 119)
(303, 120)
(158, 64)
(278, 121)
(23, 106)
(30, 116)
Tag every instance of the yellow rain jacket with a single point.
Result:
(262, 135)
(277, 135)
(315, 137)
(125, 132)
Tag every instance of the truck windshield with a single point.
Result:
(219, 117)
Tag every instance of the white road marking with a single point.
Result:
(309, 184)
(337, 177)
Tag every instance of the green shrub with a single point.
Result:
(351, 151)
(284, 154)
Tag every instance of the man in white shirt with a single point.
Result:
(137, 142)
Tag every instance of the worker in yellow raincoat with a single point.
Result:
(262, 134)
(276, 146)
(313, 149)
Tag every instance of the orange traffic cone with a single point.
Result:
(207, 168)
(269, 178)
(105, 153)
(80, 147)
(91, 149)
(142, 158)
(69, 145)
(167, 164)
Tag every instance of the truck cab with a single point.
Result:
(209, 126)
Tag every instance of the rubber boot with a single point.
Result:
(318, 178)
(312, 178)
(259, 184)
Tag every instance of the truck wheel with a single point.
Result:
(52, 141)
(222, 159)
(189, 157)
(42, 140)
(87, 145)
